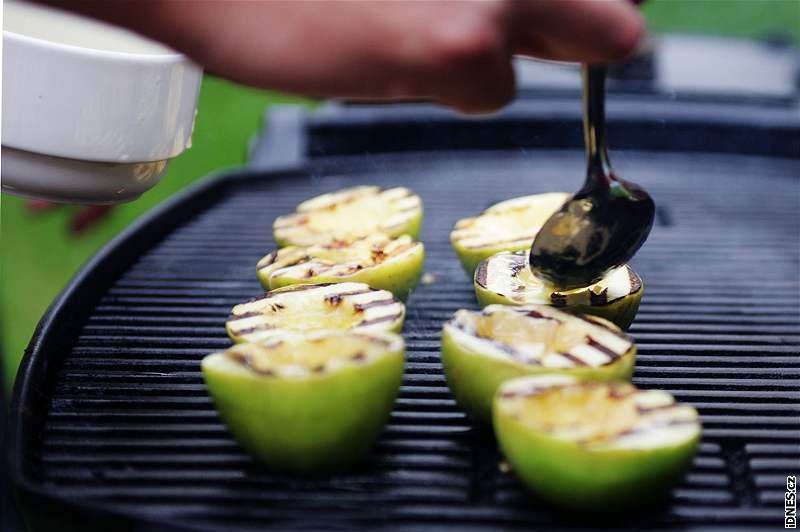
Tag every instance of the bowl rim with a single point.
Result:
(170, 56)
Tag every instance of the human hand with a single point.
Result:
(457, 53)
(81, 220)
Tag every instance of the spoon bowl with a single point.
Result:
(606, 222)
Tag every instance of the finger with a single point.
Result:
(481, 94)
(476, 83)
(576, 30)
(88, 216)
(466, 62)
(38, 206)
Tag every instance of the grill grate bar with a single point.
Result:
(129, 421)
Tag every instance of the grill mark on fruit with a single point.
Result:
(321, 268)
(350, 198)
(377, 255)
(572, 358)
(480, 275)
(613, 355)
(358, 357)
(619, 393)
(647, 409)
(467, 328)
(319, 369)
(375, 339)
(292, 220)
(263, 372)
(355, 292)
(538, 315)
(254, 328)
(338, 243)
(509, 350)
(302, 287)
(244, 315)
(463, 327)
(268, 260)
(276, 307)
(381, 255)
(246, 361)
(240, 358)
(515, 268)
(382, 319)
(361, 307)
(636, 281)
(653, 426)
(587, 320)
(500, 243)
(267, 295)
(529, 392)
(598, 299)
(619, 334)
(333, 300)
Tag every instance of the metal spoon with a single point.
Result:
(606, 221)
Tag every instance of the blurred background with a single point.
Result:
(41, 248)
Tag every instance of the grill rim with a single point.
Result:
(61, 323)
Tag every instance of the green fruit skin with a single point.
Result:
(308, 426)
(399, 277)
(575, 478)
(474, 378)
(470, 258)
(620, 312)
(412, 228)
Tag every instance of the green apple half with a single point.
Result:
(506, 279)
(307, 403)
(350, 213)
(310, 307)
(481, 350)
(393, 264)
(510, 225)
(592, 446)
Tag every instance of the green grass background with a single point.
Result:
(38, 255)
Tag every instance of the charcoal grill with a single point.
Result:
(112, 429)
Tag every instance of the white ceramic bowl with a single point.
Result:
(91, 112)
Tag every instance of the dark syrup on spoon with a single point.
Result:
(606, 221)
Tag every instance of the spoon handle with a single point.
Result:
(594, 125)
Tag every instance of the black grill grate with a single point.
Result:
(129, 424)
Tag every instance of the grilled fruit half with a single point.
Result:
(307, 403)
(506, 279)
(392, 264)
(309, 307)
(591, 446)
(351, 213)
(481, 350)
(506, 226)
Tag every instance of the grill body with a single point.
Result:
(111, 422)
